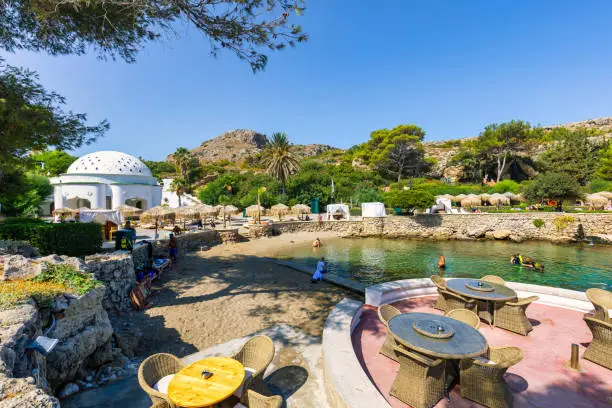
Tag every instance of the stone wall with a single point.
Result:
(517, 227)
(116, 271)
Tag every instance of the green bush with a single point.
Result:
(73, 239)
(538, 223)
(69, 276)
(505, 186)
(598, 185)
(355, 211)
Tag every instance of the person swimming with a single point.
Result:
(316, 243)
(441, 261)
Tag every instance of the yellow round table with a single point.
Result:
(189, 389)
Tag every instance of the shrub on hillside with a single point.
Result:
(409, 199)
(73, 239)
(505, 186)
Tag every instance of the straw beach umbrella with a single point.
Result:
(512, 197)
(279, 209)
(129, 211)
(606, 194)
(471, 200)
(227, 212)
(458, 198)
(63, 211)
(499, 199)
(485, 198)
(300, 209)
(254, 210)
(596, 200)
(157, 213)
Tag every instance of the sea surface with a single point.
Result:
(375, 260)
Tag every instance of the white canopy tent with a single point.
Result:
(338, 208)
(100, 216)
(373, 210)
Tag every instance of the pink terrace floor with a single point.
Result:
(540, 380)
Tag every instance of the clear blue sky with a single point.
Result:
(451, 67)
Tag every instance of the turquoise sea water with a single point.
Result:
(372, 260)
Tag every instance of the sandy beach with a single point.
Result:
(230, 291)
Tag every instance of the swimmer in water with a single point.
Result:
(441, 261)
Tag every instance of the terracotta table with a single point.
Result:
(488, 292)
(188, 389)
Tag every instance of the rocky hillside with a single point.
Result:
(443, 151)
(236, 145)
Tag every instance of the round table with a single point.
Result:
(491, 293)
(189, 389)
(465, 341)
(499, 293)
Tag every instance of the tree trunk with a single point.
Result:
(500, 168)
(179, 198)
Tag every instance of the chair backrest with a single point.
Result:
(438, 281)
(466, 316)
(257, 353)
(505, 357)
(386, 313)
(156, 366)
(600, 297)
(493, 279)
(255, 400)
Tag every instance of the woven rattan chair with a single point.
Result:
(420, 380)
(454, 301)
(483, 381)
(484, 311)
(152, 369)
(602, 301)
(385, 313)
(256, 354)
(160, 404)
(255, 400)
(600, 349)
(493, 279)
(441, 284)
(466, 316)
(511, 315)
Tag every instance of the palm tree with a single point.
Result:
(280, 162)
(260, 192)
(178, 187)
(182, 161)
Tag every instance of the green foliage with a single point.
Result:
(450, 143)
(604, 169)
(160, 169)
(396, 152)
(573, 154)
(244, 27)
(504, 186)
(32, 119)
(68, 276)
(598, 185)
(74, 239)
(25, 195)
(278, 159)
(53, 162)
(539, 223)
(555, 186)
(409, 199)
(563, 221)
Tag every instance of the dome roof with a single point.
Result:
(109, 162)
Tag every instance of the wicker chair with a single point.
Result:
(255, 400)
(151, 370)
(483, 381)
(602, 301)
(256, 354)
(385, 313)
(160, 404)
(600, 349)
(441, 284)
(511, 315)
(493, 279)
(454, 301)
(420, 381)
(466, 316)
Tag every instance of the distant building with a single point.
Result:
(106, 179)
(171, 199)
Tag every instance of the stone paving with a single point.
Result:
(295, 373)
(540, 380)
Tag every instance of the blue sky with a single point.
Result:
(451, 67)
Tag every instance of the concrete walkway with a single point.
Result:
(295, 373)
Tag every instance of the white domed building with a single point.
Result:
(106, 180)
